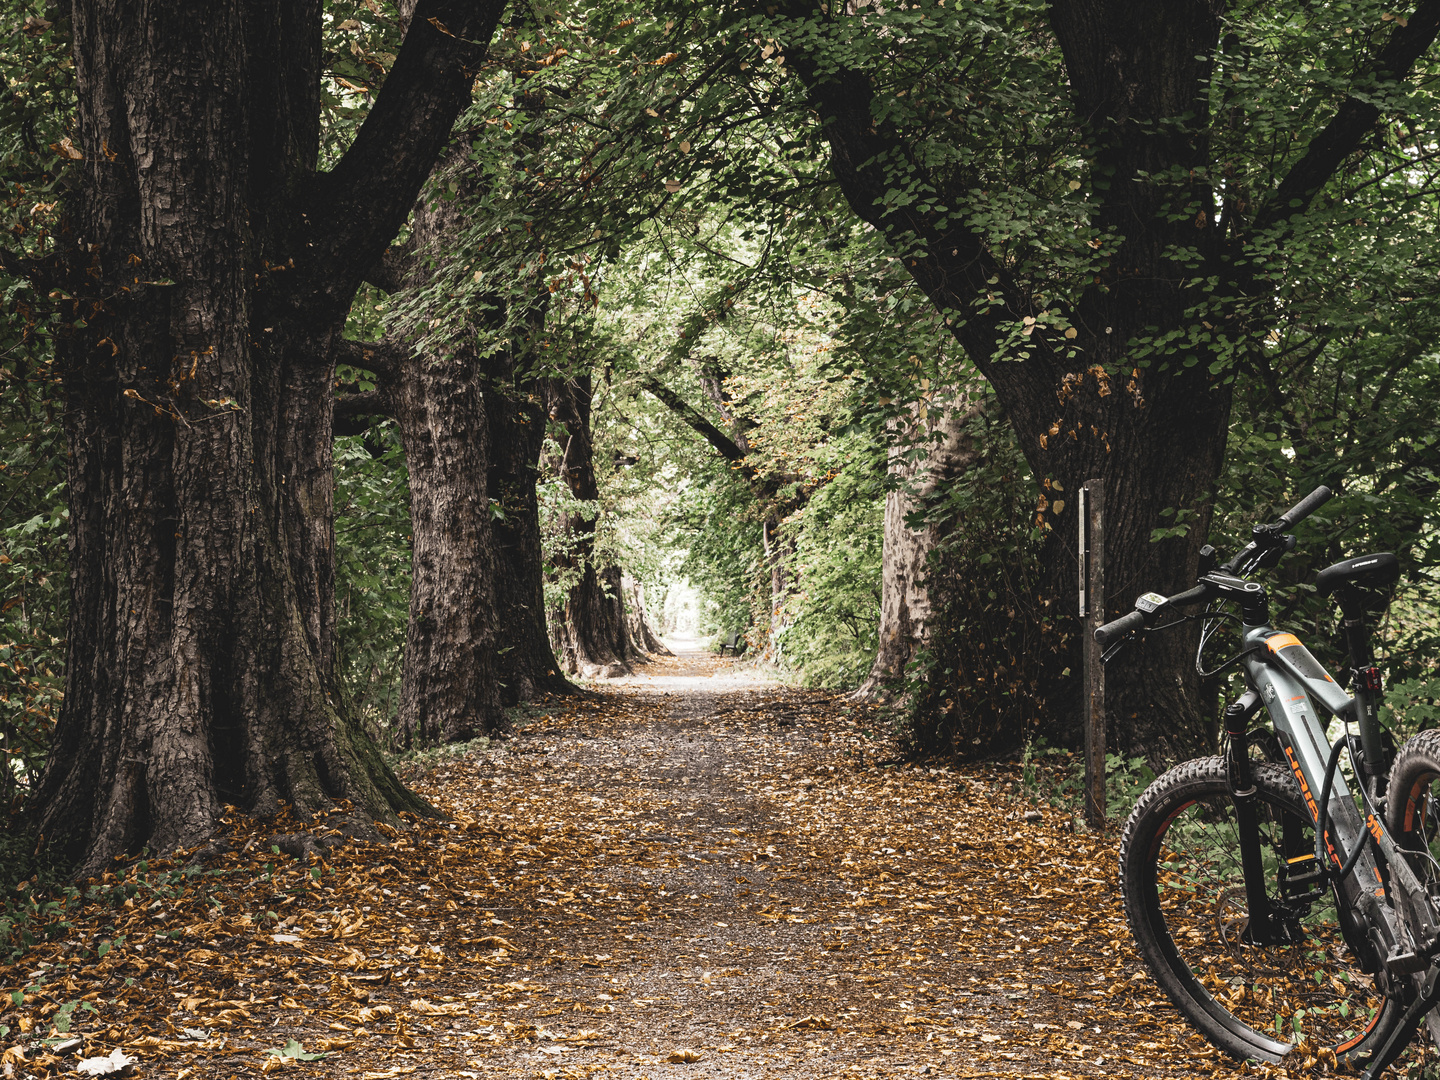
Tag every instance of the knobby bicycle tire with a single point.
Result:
(1186, 904)
(1410, 810)
(1412, 816)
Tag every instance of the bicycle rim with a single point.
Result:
(1186, 902)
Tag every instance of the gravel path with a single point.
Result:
(722, 881)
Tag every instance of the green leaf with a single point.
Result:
(296, 1051)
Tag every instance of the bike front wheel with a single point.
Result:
(1186, 904)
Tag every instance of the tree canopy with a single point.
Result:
(764, 309)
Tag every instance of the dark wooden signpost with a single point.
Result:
(1092, 615)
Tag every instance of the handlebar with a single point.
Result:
(1147, 608)
(1304, 508)
(1269, 543)
(1112, 631)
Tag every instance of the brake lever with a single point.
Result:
(1272, 556)
(1110, 652)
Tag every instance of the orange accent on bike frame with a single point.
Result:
(1277, 642)
(1412, 804)
(1374, 825)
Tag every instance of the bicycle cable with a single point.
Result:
(1212, 620)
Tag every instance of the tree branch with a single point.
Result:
(353, 410)
(722, 443)
(1354, 119)
(359, 206)
(382, 357)
(953, 264)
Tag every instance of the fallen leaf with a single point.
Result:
(684, 1057)
(428, 1008)
(118, 1061)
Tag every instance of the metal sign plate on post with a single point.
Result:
(1092, 612)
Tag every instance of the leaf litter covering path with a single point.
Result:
(695, 873)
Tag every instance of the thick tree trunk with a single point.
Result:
(904, 598)
(1080, 405)
(448, 690)
(515, 420)
(591, 636)
(211, 268)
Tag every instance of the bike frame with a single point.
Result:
(1386, 915)
(1388, 919)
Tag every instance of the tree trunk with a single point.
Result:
(904, 598)
(592, 640)
(1080, 406)
(448, 690)
(778, 549)
(1105, 369)
(515, 419)
(641, 632)
(211, 269)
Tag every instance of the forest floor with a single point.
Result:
(694, 872)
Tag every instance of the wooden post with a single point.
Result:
(1092, 611)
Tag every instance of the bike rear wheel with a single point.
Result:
(1412, 817)
(1413, 806)
(1186, 904)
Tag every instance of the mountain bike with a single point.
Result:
(1284, 894)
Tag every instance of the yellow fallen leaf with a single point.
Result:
(684, 1057)
(429, 1008)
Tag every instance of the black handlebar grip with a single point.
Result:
(1191, 596)
(1305, 507)
(1112, 631)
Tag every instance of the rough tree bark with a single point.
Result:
(904, 598)
(212, 267)
(592, 636)
(1079, 405)
(515, 417)
(449, 689)
(477, 640)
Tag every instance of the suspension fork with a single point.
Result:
(1262, 929)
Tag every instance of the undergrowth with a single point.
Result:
(1056, 777)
